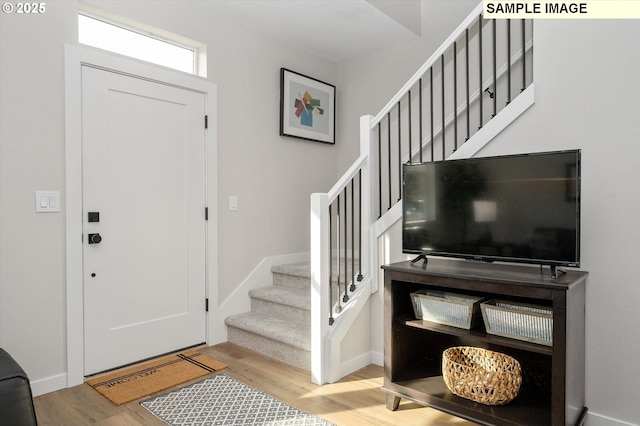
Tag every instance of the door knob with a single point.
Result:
(94, 238)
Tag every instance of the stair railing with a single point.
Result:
(339, 246)
(446, 102)
(476, 73)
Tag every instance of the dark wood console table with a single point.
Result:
(552, 392)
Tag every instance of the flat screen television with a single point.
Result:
(515, 208)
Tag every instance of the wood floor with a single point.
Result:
(355, 400)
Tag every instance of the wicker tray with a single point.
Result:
(456, 310)
(531, 323)
(483, 376)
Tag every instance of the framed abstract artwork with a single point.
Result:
(307, 107)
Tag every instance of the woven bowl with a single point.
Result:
(483, 376)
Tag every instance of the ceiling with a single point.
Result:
(338, 30)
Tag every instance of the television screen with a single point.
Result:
(517, 208)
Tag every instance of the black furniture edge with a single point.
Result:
(16, 399)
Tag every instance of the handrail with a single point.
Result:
(347, 177)
(458, 32)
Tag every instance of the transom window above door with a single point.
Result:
(117, 38)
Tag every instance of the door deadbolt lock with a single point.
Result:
(94, 238)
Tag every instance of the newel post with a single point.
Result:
(366, 213)
(320, 303)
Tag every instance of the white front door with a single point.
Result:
(144, 197)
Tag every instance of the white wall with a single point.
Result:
(32, 246)
(271, 175)
(587, 94)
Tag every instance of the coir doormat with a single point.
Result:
(145, 379)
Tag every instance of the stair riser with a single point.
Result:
(291, 281)
(271, 348)
(278, 310)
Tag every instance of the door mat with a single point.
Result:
(145, 379)
(221, 400)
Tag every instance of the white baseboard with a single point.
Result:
(594, 419)
(361, 361)
(377, 358)
(239, 301)
(49, 384)
(354, 364)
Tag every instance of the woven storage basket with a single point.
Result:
(456, 310)
(483, 376)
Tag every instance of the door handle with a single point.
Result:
(94, 238)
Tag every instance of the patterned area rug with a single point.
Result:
(221, 400)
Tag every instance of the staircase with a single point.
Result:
(279, 323)
(478, 82)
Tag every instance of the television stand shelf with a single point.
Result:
(552, 392)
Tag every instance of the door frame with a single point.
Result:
(75, 58)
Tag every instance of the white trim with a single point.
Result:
(73, 170)
(199, 48)
(320, 303)
(388, 219)
(377, 358)
(594, 419)
(354, 364)
(497, 124)
(48, 384)
(361, 361)
(347, 177)
(75, 57)
(333, 368)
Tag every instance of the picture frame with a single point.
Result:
(307, 107)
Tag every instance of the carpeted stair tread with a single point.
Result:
(279, 324)
(298, 298)
(301, 269)
(291, 333)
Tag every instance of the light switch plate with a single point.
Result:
(233, 203)
(47, 201)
